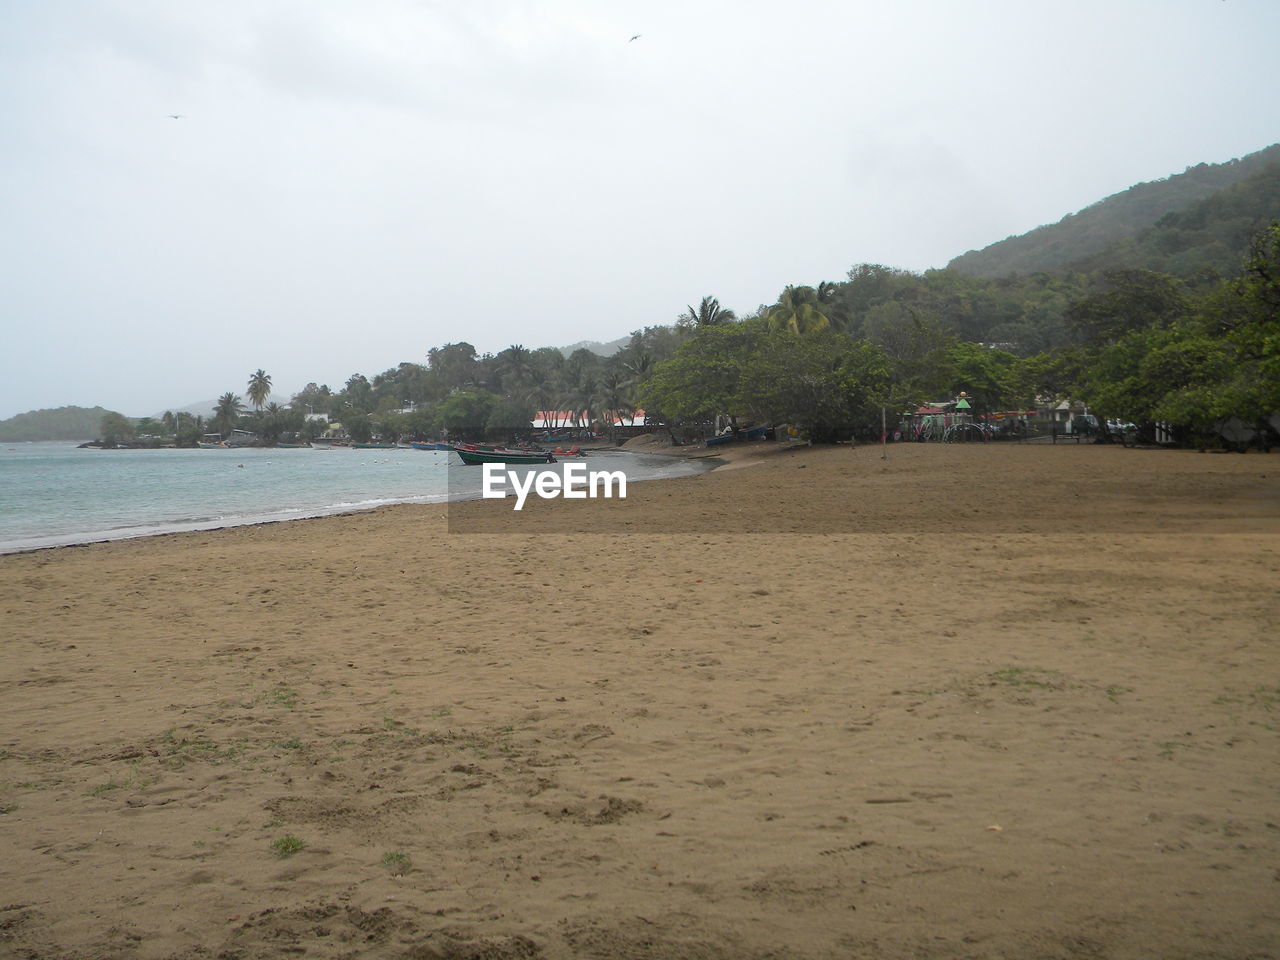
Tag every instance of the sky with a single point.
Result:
(348, 184)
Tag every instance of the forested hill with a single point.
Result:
(1204, 241)
(64, 423)
(1080, 236)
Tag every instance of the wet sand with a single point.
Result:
(983, 701)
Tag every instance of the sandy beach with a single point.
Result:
(967, 701)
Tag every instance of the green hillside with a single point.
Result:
(1203, 241)
(64, 423)
(1084, 235)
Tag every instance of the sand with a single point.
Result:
(984, 701)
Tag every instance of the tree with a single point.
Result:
(582, 399)
(356, 423)
(454, 364)
(465, 413)
(1254, 389)
(146, 427)
(823, 382)
(702, 379)
(359, 392)
(274, 421)
(115, 428)
(916, 346)
(1127, 300)
(507, 418)
(313, 398)
(1153, 356)
(259, 388)
(709, 313)
(1259, 283)
(989, 377)
(540, 394)
(800, 310)
(227, 413)
(615, 397)
(514, 366)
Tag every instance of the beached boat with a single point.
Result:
(472, 457)
(373, 446)
(751, 435)
(422, 445)
(210, 445)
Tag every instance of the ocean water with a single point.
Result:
(55, 493)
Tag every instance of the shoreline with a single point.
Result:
(490, 518)
(195, 525)
(772, 737)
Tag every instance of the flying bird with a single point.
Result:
(636, 37)
(176, 116)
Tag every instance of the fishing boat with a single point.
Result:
(212, 445)
(755, 433)
(472, 456)
(427, 445)
(292, 446)
(373, 446)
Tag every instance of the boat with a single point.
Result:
(211, 445)
(754, 433)
(373, 446)
(420, 445)
(292, 446)
(472, 457)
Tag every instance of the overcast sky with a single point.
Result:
(351, 183)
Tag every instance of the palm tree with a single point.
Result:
(639, 367)
(801, 310)
(227, 412)
(708, 314)
(538, 393)
(582, 398)
(514, 366)
(616, 399)
(259, 388)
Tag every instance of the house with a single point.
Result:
(629, 424)
(578, 422)
(560, 419)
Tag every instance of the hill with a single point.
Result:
(1078, 237)
(1206, 240)
(596, 347)
(64, 423)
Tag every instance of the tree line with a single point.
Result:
(1133, 344)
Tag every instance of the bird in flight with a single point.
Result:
(176, 116)
(636, 37)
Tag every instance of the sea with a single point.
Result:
(54, 494)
